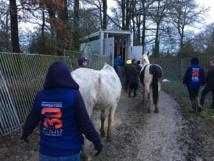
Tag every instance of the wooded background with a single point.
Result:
(163, 27)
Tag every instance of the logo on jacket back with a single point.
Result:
(195, 74)
(52, 118)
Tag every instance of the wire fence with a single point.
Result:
(21, 76)
(95, 61)
(174, 68)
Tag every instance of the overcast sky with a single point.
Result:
(208, 3)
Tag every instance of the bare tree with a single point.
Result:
(204, 41)
(160, 11)
(183, 14)
(101, 6)
(89, 21)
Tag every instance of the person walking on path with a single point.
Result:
(117, 62)
(209, 85)
(194, 79)
(133, 78)
(63, 117)
(127, 68)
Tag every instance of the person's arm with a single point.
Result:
(83, 120)
(202, 77)
(30, 124)
(185, 78)
(209, 74)
(85, 124)
(120, 62)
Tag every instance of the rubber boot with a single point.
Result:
(130, 91)
(198, 106)
(194, 104)
(135, 95)
(212, 107)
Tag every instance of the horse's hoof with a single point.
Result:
(156, 111)
(148, 111)
(102, 135)
(108, 139)
(86, 157)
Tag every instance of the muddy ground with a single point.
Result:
(173, 134)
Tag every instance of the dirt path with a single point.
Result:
(137, 136)
(171, 135)
(159, 140)
(143, 136)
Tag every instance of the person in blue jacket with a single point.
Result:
(117, 62)
(209, 85)
(63, 117)
(194, 79)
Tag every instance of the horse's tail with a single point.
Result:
(157, 73)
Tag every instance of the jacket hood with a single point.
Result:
(195, 61)
(58, 75)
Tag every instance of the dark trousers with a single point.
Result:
(206, 90)
(116, 69)
(193, 93)
(133, 86)
(126, 81)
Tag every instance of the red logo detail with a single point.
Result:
(52, 118)
(195, 72)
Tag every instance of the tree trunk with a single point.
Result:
(144, 32)
(127, 15)
(76, 25)
(14, 27)
(156, 49)
(104, 26)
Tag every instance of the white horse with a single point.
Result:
(100, 89)
(151, 76)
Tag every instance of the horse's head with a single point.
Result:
(145, 59)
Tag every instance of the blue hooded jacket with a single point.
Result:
(194, 75)
(62, 113)
(118, 61)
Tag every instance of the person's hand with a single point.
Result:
(25, 139)
(98, 146)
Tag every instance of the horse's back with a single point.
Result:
(156, 69)
(145, 76)
(86, 78)
(98, 87)
(111, 86)
(149, 71)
